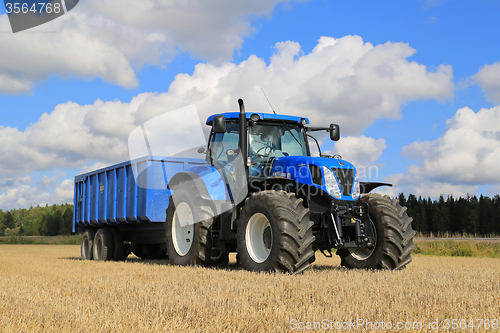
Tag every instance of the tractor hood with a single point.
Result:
(311, 171)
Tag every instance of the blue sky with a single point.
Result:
(414, 85)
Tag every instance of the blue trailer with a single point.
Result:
(129, 200)
(257, 192)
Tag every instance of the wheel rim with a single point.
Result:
(259, 237)
(365, 253)
(182, 229)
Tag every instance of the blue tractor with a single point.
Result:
(276, 205)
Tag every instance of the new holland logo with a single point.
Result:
(26, 14)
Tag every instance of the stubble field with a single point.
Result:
(49, 289)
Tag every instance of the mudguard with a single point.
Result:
(207, 180)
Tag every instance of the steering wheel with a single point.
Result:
(265, 153)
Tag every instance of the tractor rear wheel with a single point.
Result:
(275, 233)
(393, 233)
(187, 230)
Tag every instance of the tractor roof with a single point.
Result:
(266, 116)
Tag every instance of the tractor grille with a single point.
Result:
(346, 179)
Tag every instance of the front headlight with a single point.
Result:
(356, 190)
(332, 186)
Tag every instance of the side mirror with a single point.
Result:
(219, 124)
(334, 132)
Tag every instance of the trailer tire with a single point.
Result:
(118, 248)
(275, 233)
(86, 248)
(394, 237)
(190, 244)
(103, 245)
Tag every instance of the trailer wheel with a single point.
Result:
(189, 243)
(86, 245)
(103, 245)
(394, 237)
(275, 233)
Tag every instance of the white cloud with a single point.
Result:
(113, 39)
(360, 150)
(363, 152)
(48, 190)
(419, 185)
(342, 80)
(468, 153)
(489, 80)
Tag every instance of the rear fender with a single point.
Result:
(194, 178)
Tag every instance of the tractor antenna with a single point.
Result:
(268, 100)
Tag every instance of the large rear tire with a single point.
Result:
(275, 233)
(394, 237)
(87, 244)
(187, 230)
(103, 245)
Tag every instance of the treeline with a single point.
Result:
(45, 221)
(471, 215)
(463, 215)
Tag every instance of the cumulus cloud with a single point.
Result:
(360, 150)
(419, 185)
(468, 153)
(342, 80)
(48, 190)
(363, 152)
(489, 80)
(113, 39)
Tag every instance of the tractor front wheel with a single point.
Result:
(393, 233)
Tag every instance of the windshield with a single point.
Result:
(222, 142)
(274, 140)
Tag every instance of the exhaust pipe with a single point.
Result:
(243, 131)
(243, 174)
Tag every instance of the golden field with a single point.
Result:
(49, 289)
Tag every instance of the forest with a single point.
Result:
(471, 215)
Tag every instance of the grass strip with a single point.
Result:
(451, 248)
(42, 240)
